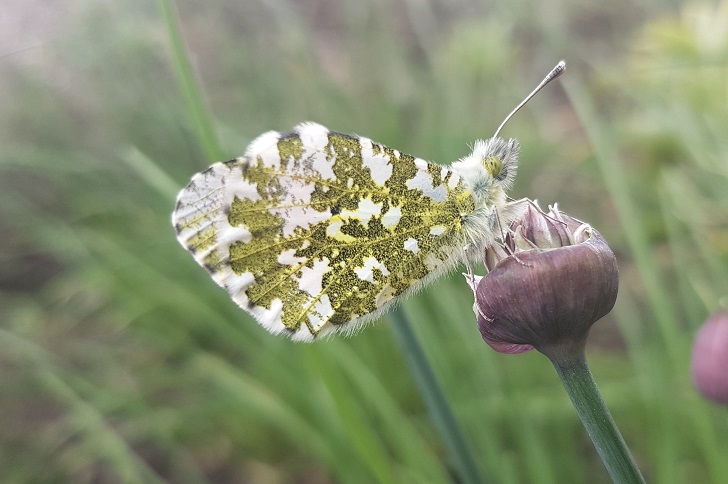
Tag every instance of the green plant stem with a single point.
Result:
(188, 82)
(437, 406)
(579, 383)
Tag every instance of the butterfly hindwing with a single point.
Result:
(313, 231)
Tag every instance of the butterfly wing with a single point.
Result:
(313, 231)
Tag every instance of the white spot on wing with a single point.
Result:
(262, 143)
(300, 216)
(423, 181)
(323, 166)
(314, 138)
(453, 181)
(391, 218)
(420, 164)
(237, 186)
(311, 280)
(412, 245)
(321, 312)
(366, 273)
(296, 191)
(265, 147)
(364, 212)
(378, 164)
(437, 230)
(288, 258)
(313, 135)
(333, 228)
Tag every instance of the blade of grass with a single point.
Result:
(278, 413)
(637, 239)
(99, 438)
(152, 173)
(198, 110)
(442, 415)
(399, 435)
(360, 435)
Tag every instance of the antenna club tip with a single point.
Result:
(558, 69)
(555, 72)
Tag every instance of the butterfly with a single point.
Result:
(315, 232)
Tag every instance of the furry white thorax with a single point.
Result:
(489, 191)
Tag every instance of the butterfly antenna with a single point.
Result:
(555, 72)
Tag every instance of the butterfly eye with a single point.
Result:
(494, 165)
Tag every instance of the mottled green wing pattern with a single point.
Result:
(314, 232)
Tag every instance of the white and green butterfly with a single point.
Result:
(315, 232)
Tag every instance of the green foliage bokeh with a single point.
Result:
(120, 361)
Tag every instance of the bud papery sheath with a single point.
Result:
(546, 298)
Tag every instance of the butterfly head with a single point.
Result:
(499, 157)
(491, 168)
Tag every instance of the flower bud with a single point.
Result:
(710, 358)
(551, 280)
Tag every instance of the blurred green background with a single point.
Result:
(121, 361)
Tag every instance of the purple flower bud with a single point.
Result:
(559, 279)
(710, 358)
